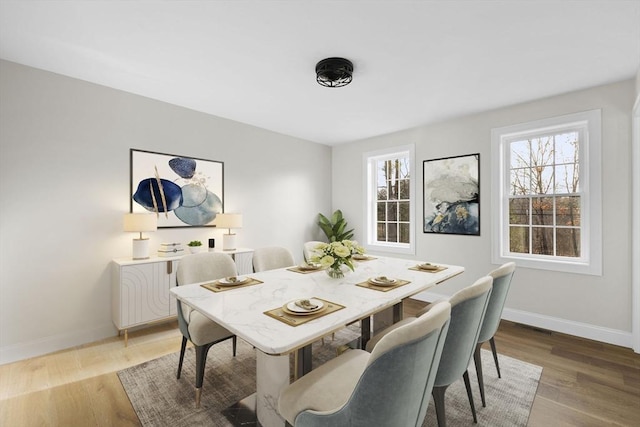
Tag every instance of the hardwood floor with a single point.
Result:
(583, 383)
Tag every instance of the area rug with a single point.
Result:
(159, 399)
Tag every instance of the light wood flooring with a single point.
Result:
(583, 383)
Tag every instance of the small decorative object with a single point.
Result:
(181, 191)
(334, 228)
(212, 245)
(336, 255)
(170, 249)
(229, 221)
(139, 222)
(452, 195)
(195, 246)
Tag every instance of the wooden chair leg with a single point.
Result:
(495, 355)
(467, 385)
(477, 359)
(183, 347)
(438, 399)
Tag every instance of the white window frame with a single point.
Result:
(590, 175)
(370, 208)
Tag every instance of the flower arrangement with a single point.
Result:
(336, 254)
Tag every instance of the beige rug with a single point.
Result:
(159, 399)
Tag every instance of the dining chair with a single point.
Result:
(309, 248)
(271, 258)
(501, 283)
(388, 387)
(195, 327)
(468, 307)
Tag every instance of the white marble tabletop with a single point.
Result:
(241, 310)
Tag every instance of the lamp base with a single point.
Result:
(228, 242)
(140, 248)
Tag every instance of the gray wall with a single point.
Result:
(64, 186)
(599, 307)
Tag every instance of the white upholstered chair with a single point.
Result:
(195, 327)
(271, 258)
(388, 387)
(501, 283)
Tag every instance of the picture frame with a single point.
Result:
(184, 191)
(451, 189)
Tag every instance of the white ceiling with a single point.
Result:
(416, 62)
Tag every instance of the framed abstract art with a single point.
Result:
(452, 195)
(183, 191)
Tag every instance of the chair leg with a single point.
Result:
(467, 384)
(477, 359)
(438, 398)
(235, 344)
(201, 361)
(495, 355)
(182, 350)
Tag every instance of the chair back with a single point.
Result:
(271, 258)
(197, 268)
(309, 248)
(468, 307)
(501, 284)
(395, 387)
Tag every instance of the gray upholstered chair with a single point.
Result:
(467, 311)
(501, 283)
(309, 248)
(387, 387)
(271, 258)
(195, 327)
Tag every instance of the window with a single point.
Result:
(390, 200)
(546, 194)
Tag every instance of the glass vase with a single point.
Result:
(335, 272)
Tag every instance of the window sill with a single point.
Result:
(550, 264)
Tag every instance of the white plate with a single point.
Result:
(228, 281)
(291, 306)
(382, 281)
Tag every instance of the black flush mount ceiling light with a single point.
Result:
(334, 72)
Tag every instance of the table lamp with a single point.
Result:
(139, 222)
(228, 220)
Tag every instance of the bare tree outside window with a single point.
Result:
(393, 200)
(545, 199)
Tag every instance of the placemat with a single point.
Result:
(293, 320)
(370, 285)
(437, 270)
(216, 287)
(304, 271)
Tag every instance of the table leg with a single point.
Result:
(272, 375)
(303, 365)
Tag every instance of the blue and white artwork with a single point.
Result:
(452, 195)
(182, 191)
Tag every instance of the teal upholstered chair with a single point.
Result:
(195, 327)
(501, 283)
(467, 311)
(388, 387)
(468, 308)
(271, 258)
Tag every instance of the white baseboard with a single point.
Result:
(569, 327)
(21, 351)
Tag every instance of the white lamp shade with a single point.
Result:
(228, 220)
(140, 222)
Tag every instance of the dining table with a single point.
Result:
(261, 310)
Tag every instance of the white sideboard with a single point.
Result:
(140, 288)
